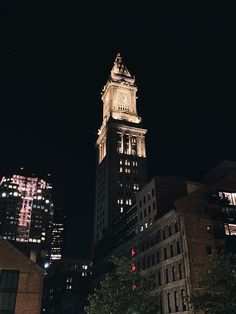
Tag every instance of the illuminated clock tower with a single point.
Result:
(121, 152)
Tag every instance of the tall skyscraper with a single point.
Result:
(26, 212)
(121, 152)
(58, 233)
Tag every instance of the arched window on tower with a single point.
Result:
(134, 145)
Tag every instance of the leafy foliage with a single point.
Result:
(125, 292)
(217, 292)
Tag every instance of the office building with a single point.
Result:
(26, 214)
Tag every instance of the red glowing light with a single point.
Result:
(134, 286)
(132, 252)
(133, 267)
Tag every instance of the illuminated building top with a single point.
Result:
(119, 94)
(29, 201)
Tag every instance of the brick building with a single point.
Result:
(172, 249)
(21, 282)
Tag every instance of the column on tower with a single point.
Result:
(129, 149)
(122, 143)
(139, 153)
(143, 150)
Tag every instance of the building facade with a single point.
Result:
(57, 241)
(21, 282)
(58, 235)
(121, 152)
(26, 214)
(156, 198)
(209, 218)
(176, 245)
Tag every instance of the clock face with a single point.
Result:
(123, 100)
(123, 97)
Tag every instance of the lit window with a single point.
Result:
(141, 228)
(120, 201)
(120, 161)
(4, 194)
(146, 224)
(121, 169)
(230, 229)
(127, 162)
(209, 228)
(122, 209)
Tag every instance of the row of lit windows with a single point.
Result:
(231, 197)
(128, 163)
(121, 201)
(34, 240)
(126, 170)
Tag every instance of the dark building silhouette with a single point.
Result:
(125, 226)
(66, 287)
(121, 161)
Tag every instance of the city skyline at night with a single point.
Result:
(51, 82)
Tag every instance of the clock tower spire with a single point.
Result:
(121, 162)
(119, 94)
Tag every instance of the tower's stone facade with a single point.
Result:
(121, 151)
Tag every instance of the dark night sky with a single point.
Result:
(55, 60)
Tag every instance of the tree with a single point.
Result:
(217, 282)
(126, 291)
